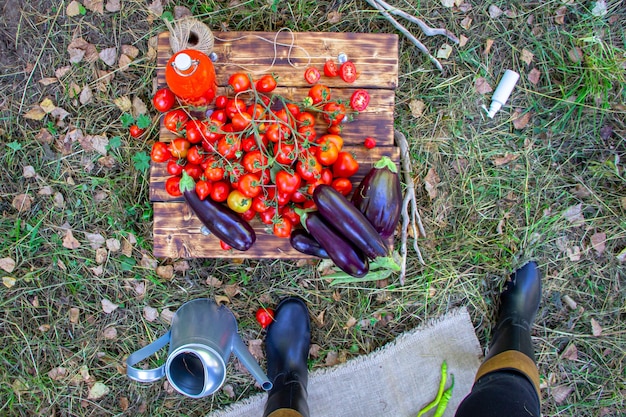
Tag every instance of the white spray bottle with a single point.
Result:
(502, 93)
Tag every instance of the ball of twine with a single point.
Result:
(190, 33)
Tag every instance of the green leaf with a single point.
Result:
(127, 262)
(370, 276)
(82, 10)
(16, 146)
(127, 120)
(186, 183)
(143, 121)
(114, 143)
(141, 161)
(386, 162)
(168, 16)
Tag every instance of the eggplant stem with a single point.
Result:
(409, 217)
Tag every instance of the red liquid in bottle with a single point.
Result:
(191, 76)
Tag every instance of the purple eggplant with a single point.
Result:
(379, 197)
(224, 223)
(349, 221)
(348, 258)
(304, 242)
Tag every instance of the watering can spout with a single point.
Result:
(246, 358)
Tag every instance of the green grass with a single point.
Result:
(486, 219)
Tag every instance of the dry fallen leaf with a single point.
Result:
(574, 254)
(332, 358)
(527, 56)
(431, 181)
(350, 323)
(596, 329)
(85, 95)
(482, 86)
(110, 333)
(495, 11)
(150, 313)
(559, 16)
(95, 5)
(7, 264)
(48, 80)
(417, 108)
(130, 51)
(334, 17)
(488, 45)
(22, 202)
(35, 113)
(139, 107)
(444, 52)
(108, 56)
(499, 161)
(574, 215)
(165, 272)
(463, 41)
(599, 8)
(9, 282)
(124, 62)
(534, 75)
(167, 315)
(123, 103)
(520, 121)
(571, 352)
(561, 392)
(598, 242)
(113, 6)
(107, 306)
(156, 7)
(73, 9)
(74, 315)
(58, 373)
(575, 54)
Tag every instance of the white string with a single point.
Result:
(275, 43)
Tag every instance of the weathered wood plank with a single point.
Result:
(366, 158)
(374, 54)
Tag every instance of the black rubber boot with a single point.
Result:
(519, 303)
(287, 346)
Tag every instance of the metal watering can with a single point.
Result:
(201, 338)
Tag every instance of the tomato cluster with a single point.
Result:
(257, 151)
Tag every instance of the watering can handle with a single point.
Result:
(147, 375)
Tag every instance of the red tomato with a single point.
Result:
(228, 146)
(330, 68)
(214, 173)
(359, 100)
(220, 191)
(219, 116)
(265, 316)
(267, 216)
(160, 152)
(193, 170)
(327, 153)
(250, 185)
(174, 168)
(274, 133)
(241, 121)
(203, 189)
(163, 100)
(254, 161)
(234, 106)
(319, 93)
(305, 118)
(294, 110)
(172, 186)
(335, 130)
(259, 203)
(343, 185)
(336, 139)
(286, 182)
(334, 113)
(345, 165)
(195, 155)
(285, 153)
(309, 168)
(224, 245)
(239, 81)
(248, 214)
(307, 133)
(220, 102)
(194, 130)
(266, 83)
(369, 142)
(256, 111)
(289, 212)
(135, 131)
(282, 227)
(175, 120)
(312, 75)
(347, 71)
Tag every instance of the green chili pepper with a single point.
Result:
(445, 399)
(440, 391)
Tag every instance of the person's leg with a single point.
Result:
(507, 383)
(287, 346)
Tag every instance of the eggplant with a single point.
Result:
(304, 242)
(379, 197)
(224, 223)
(348, 258)
(349, 221)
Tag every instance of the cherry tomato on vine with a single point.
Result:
(194, 130)
(289, 212)
(285, 153)
(203, 189)
(330, 68)
(264, 316)
(234, 106)
(305, 118)
(287, 182)
(335, 130)
(254, 161)
(179, 147)
(274, 133)
(347, 71)
(334, 113)
(224, 245)
(163, 100)
(359, 100)
(174, 168)
(175, 120)
(266, 83)
(309, 168)
(336, 139)
(239, 81)
(282, 227)
(241, 120)
(345, 165)
(327, 153)
(214, 173)
(135, 131)
(319, 93)
(172, 186)
(307, 132)
(193, 170)
(267, 216)
(220, 102)
(250, 185)
(228, 146)
(312, 75)
(160, 152)
(238, 202)
(220, 191)
(195, 155)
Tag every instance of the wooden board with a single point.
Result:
(177, 231)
